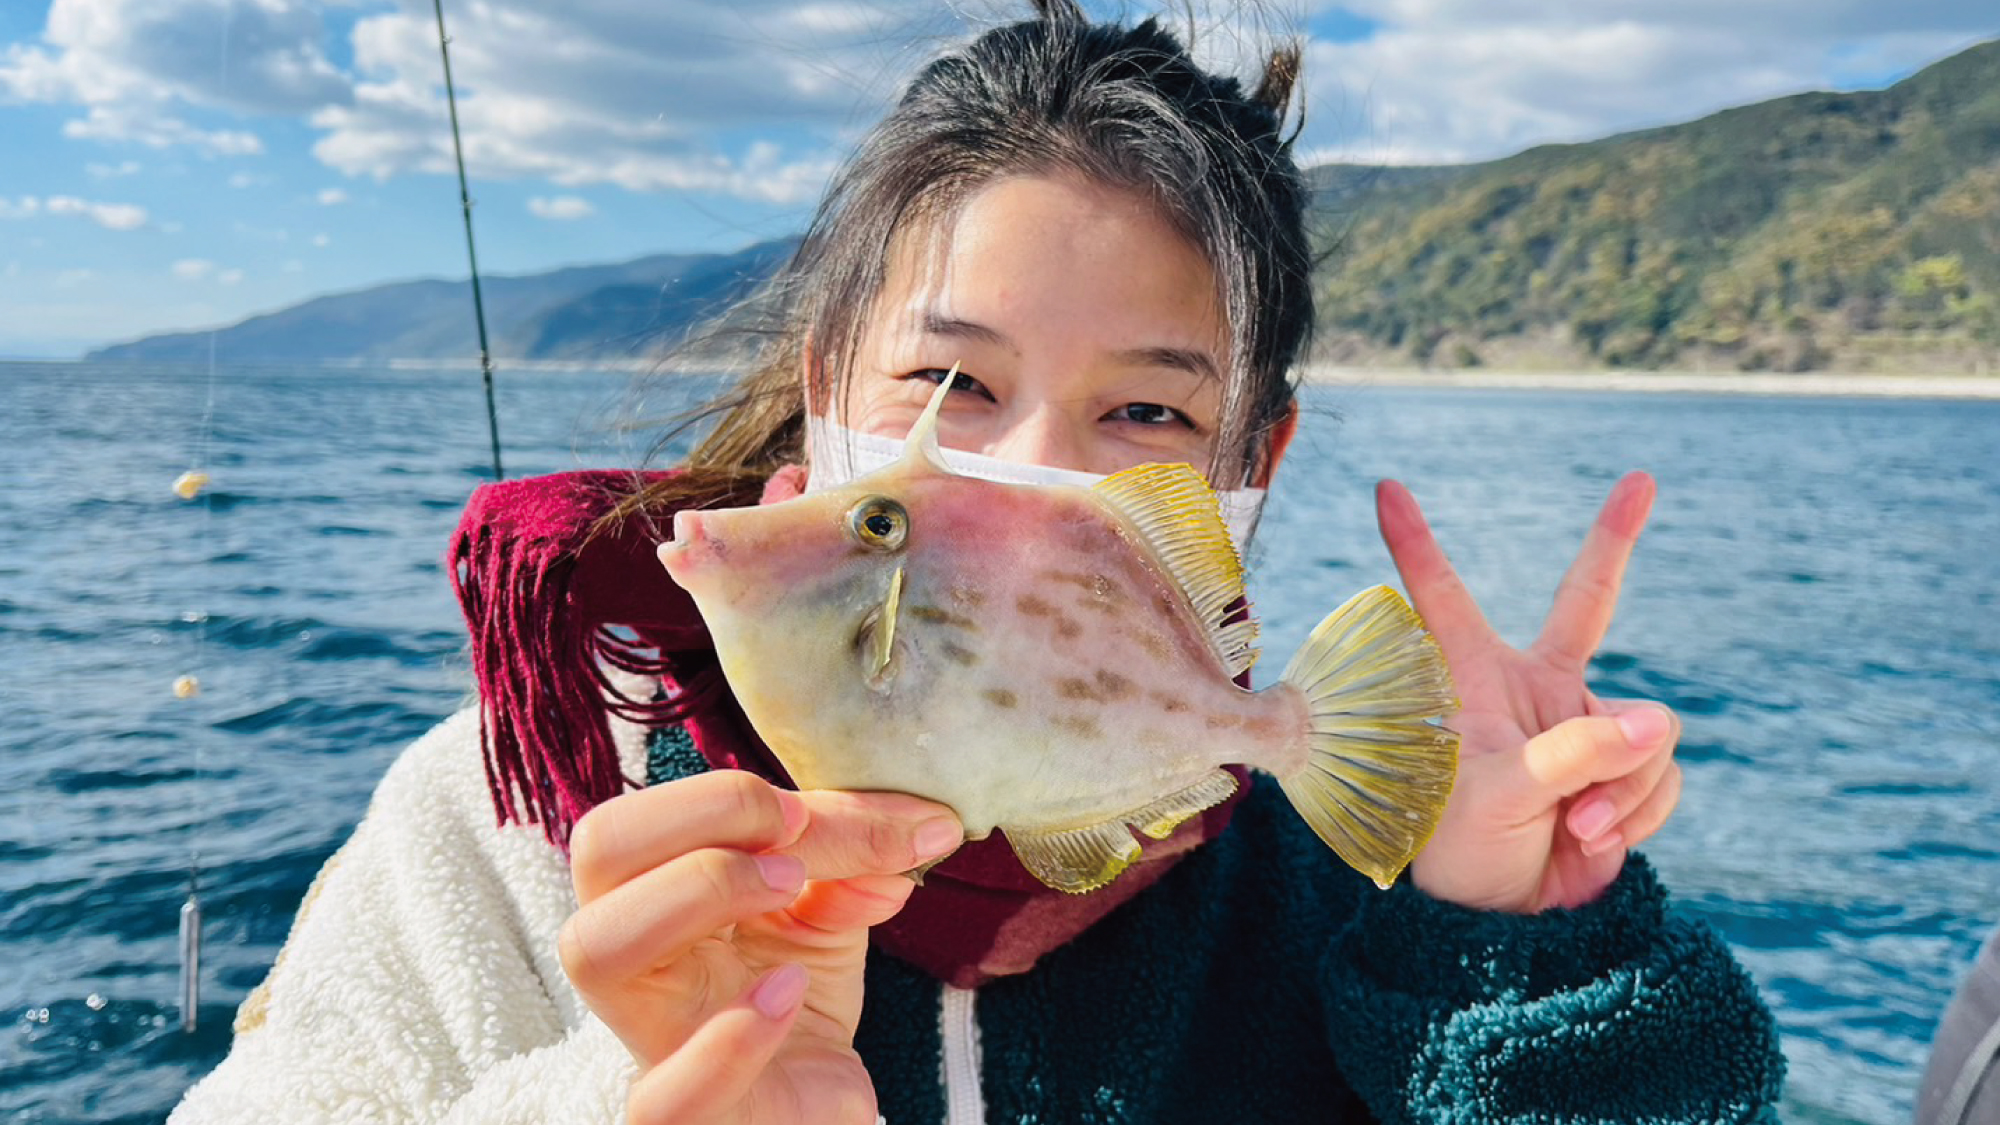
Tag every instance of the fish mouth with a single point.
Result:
(689, 542)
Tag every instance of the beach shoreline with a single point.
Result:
(1824, 384)
(1812, 383)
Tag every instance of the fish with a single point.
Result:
(1060, 663)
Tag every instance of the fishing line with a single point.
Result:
(191, 486)
(471, 254)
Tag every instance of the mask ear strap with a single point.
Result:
(836, 455)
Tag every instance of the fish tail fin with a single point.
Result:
(1378, 767)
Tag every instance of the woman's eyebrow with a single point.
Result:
(1198, 363)
(937, 324)
(1193, 361)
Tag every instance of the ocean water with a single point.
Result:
(1816, 596)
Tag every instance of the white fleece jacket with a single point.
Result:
(420, 981)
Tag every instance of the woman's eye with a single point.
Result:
(964, 382)
(1151, 414)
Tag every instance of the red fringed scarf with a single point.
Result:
(548, 613)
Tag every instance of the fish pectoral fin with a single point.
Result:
(885, 627)
(875, 643)
(1077, 860)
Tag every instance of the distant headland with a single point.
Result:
(1823, 232)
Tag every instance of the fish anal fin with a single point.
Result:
(1078, 860)
(1159, 819)
(1176, 514)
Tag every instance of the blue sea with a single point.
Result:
(1816, 596)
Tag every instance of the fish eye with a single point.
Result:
(879, 523)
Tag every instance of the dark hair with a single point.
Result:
(1123, 106)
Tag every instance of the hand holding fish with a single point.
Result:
(721, 936)
(1554, 783)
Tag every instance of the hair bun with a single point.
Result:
(1281, 74)
(1059, 11)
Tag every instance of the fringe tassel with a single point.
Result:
(548, 618)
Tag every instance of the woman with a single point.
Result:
(1111, 242)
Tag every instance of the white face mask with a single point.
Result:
(836, 455)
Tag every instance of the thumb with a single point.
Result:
(1582, 751)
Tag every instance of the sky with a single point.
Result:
(179, 164)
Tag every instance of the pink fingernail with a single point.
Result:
(780, 991)
(1590, 821)
(936, 837)
(782, 872)
(794, 808)
(1643, 727)
(1603, 844)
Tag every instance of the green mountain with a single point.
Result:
(1854, 231)
(1848, 230)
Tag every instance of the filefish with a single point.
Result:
(1060, 663)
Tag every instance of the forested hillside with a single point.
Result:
(1850, 230)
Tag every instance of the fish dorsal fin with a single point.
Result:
(921, 447)
(1176, 514)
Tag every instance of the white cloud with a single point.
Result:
(293, 265)
(112, 171)
(193, 269)
(110, 216)
(158, 130)
(560, 207)
(320, 240)
(756, 98)
(137, 66)
(26, 207)
(70, 279)
(240, 180)
(331, 197)
(739, 97)
(229, 277)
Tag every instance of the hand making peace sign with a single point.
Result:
(1554, 784)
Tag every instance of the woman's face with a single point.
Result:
(1086, 329)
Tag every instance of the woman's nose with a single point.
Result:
(1043, 436)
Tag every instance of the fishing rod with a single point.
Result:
(471, 254)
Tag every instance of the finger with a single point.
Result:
(1577, 752)
(1606, 806)
(1652, 813)
(852, 834)
(636, 832)
(658, 917)
(828, 913)
(1435, 589)
(1588, 595)
(709, 1079)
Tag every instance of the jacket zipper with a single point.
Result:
(963, 1103)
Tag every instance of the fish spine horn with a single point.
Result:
(1379, 767)
(921, 446)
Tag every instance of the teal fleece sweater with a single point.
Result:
(1261, 980)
